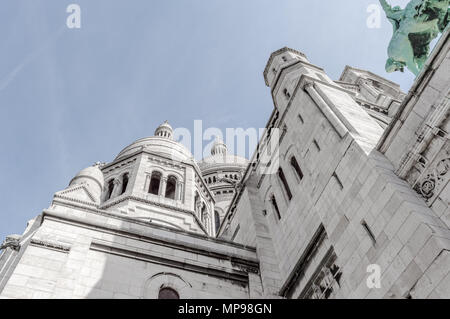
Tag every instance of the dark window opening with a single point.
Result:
(369, 232)
(235, 232)
(317, 145)
(154, 184)
(296, 167)
(171, 187)
(275, 206)
(285, 183)
(338, 181)
(168, 293)
(124, 183)
(283, 133)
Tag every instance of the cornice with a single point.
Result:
(393, 85)
(50, 245)
(107, 214)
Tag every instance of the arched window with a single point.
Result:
(171, 187)
(168, 293)
(285, 183)
(154, 183)
(275, 206)
(209, 180)
(110, 189)
(217, 220)
(124, 183)
(296, 167)
(214, 179)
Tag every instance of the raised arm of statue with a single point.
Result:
(386, 7)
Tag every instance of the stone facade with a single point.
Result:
(358, 179)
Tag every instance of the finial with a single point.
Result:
(99, 164)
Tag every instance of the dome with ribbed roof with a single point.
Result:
(92, 173)
(162, 144)
(92, 178)
(220, 159)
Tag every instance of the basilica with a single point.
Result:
(353, 203)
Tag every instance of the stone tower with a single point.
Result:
(156, 179)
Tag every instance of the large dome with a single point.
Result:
(159, 145)
(222, 160)
(162, 143)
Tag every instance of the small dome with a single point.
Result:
(218, 147)
(90, 173)
(164, 130)
(220, 160)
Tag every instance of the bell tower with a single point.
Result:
(283, 71)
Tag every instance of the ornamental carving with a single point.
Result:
(434, 175)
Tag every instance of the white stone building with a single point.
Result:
(360, 181)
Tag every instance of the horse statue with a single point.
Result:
(415, 26)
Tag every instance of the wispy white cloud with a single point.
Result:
(30, 57)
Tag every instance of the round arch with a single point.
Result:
(161, 280)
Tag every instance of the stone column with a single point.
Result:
(162, 186)
(178, 191)
(116, 189)
(147, 183)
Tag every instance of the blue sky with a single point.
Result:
(71, 97)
